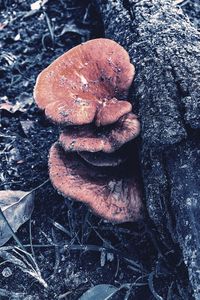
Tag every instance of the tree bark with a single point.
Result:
(165, 48)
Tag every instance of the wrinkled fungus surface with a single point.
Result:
(107, 139)
(86, 83)
(85, 91)
(112, 195)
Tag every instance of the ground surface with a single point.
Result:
(30, 40)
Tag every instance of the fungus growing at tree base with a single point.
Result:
(109, 193)
(85, 91)
(106, 139)
(86, 84)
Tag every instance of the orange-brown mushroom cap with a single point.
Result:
(86, 84)
(107, 139)
(112, 196)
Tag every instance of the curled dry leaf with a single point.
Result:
(74, 29)
(178, 1)
(11, 108)
(20, 106)
(17, 207)
(100, 292)
(26, 126)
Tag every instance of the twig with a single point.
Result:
(49, 27)
(60, 227)
(57, 254)
(30, 238)
(150, 282)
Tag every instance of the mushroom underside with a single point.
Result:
(101, 159)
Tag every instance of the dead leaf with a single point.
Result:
(9, 57)
(11, 108)
(38, 4)
(24, 102)
(178, 1)
(13, 155)
(72, 28)
(17, 207)
(27, 125)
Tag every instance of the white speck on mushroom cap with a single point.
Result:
(83, 80)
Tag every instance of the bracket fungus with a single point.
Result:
(109, 193)
(106, 139)
(86, 83)
(85, 91)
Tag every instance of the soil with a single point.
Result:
(67, 238)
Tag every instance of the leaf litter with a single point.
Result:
(17, 207)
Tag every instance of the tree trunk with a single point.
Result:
(165, 48)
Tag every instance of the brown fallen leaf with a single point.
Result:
(25, 101)
(11, 108)
(17, 207)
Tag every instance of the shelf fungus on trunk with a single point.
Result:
(110, 193)
(85, 91)
(106, 139)
(88, 83)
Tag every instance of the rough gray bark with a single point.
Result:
(165, 49)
